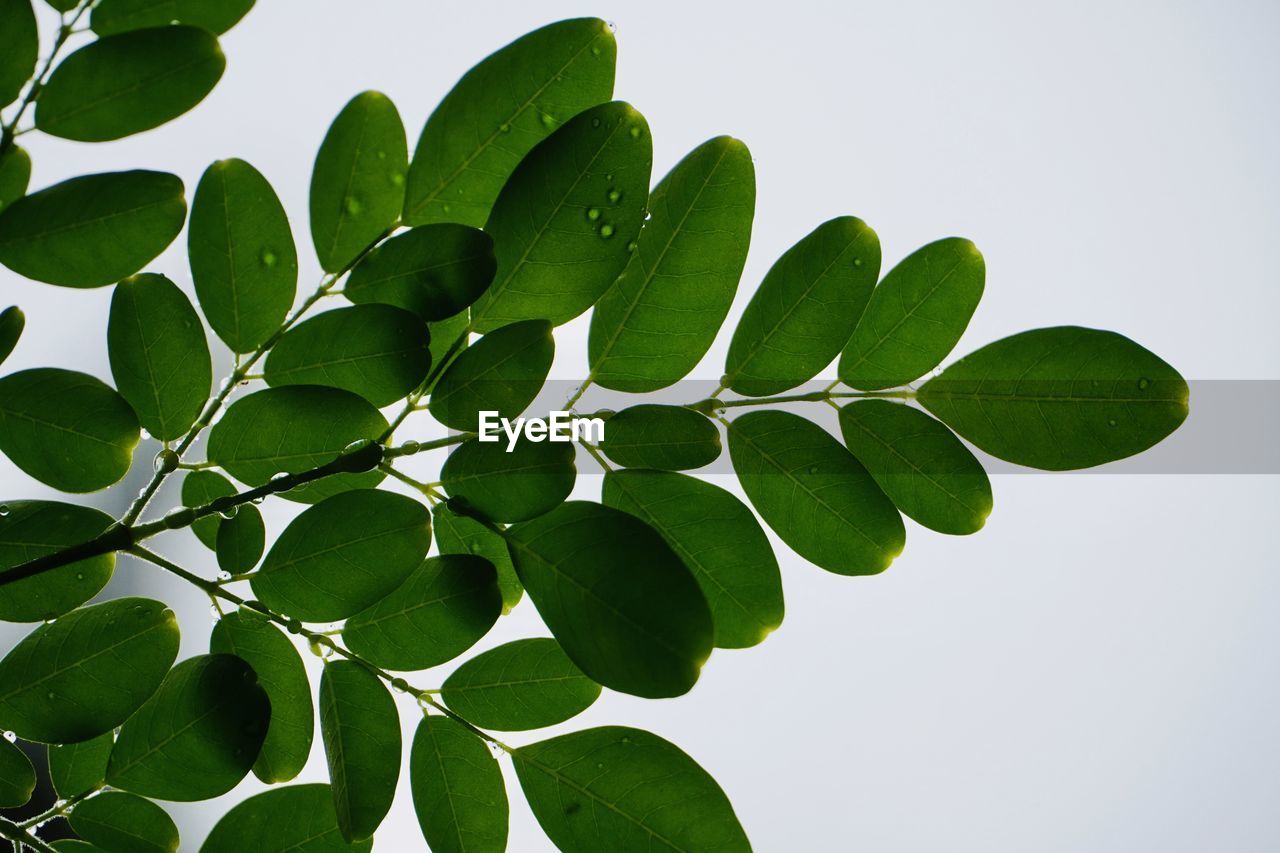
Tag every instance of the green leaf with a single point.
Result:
(444, 333)
(83, 675)
(498, 111)
(240, 541)
(502, 372)
(243, 260)
(92, 230)
(527, 684)
(805, 309)
(924, 469)
(15, 172)
(563, 223)
(66, 429)
(357, 185)
(915, 316)
(18, 777)
(377, 351)
(19, 48)
(343, 554)
(255, 824)
(815, 494)
(118, 16)
(435, 271)
(623, 606)
(31, 529)
(124, 84)
(440, 611)
(659, 318)
(12, 322)
(197, 737)
(115, 820)
(457, 534)
(617, 788)
(458, 792)
(361, 731)
(78, 767)
(292, 429)
(1060, 398)
(533, 478)
(672, 438)
(198, 489)
(159, 357)
(264, 647)
(720, 541)
(62, 5)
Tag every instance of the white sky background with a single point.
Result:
(1094, 671)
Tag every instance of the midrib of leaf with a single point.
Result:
(907, 315)
(80, 662)
(84, 223)
(448, 789)
(232, 277)
(404, 612)
(516, 682)
(346, 187)
(174, 734)
(295, 558)
(350, 359)
(129, 90)
(152, 386)
(338, 767)
(10, 413)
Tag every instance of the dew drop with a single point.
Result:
(382, 155)
(293, 626)
(548, 121)
(268, 258)
(278, 476)
(615, 196)
(595, 51)
(813, 469)
(224, 576)
(446, 208)
(166, 462)
(599, 765)
(397, 179)
(1111, 422)
(357, 445)
(10, 736)
(595, 122)
(606, 230)
(504, 128)
(635, 132)
(1143, 383)
(593, 213)
(399, 685)
(143, 432)
(320, 647)
(4, 510)
(613, 28)
(631, 247)
(353, 206)
(857, 262)
(79, 576)
(476, 548)
(229, 512)
(410, 446)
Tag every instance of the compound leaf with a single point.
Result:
(78, 767)
(518, 686)
(671, 438)
(361, 732)
(502, 372)
(255, 824)
(198, 489)
(435, 271)
(533, 478)
(116, 820)
(118, 16)
(240, 541)
(15, 173)
(31, 529)
(458, 792)
(18, 776)
(458, 534)
(19, 48)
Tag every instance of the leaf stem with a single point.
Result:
(596, 455)
(13, 832)
(65, 31)
(411, 402)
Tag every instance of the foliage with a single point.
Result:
(525, 204)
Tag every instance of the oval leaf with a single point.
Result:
(12, 322)
(86, 673)
(502, 372)
(439, 612)
(924, 469)
(623, 606)
(530, 479)
(19, 48)
(815, 494)
(197, 737)
(458, 792)
(92, 230)
(805, 309)
(1060, 398)
(243, 260)
(256, 824)
(361, 731)
(671, 438)
(118, 16)
(240, 541)
(198, 489)
(15, 173)
(527, 684)
(357, 185)
(18, 776)
(435, 271)
(458, 534)
(124, 84)
(342, 555)
(563, 222)
(115, 820)
(659, 318)
(78, 767)
(31, 529)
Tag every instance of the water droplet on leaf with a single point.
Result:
(166, 461)
(268, 258)
(1143, 383)
(606, 230)
(353, 206)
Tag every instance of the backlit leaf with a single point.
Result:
(18, 777)
(535, 477)
(115, 820)
(241, 540)
(435, 271)
(198, 489)
(255, 824)
(12, 322)
(527, 684)
(15, 173)
(78, 767)
(458, 792)
(458, 534)
(30, 529)
(19, 48)
(361, 731)
(501, 372)
(671, 438)
(216, 16)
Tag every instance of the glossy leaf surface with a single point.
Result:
(361, 731)
(12, 322)
(535, 477)
(115, 820)
(458, 792)
(458, 534)
(19, 48)
(671, 438)
(31, 529)
(255, 824)
(77, 767)
(502, 372)
(17, 776)
(198, 489)
(435, 271)
(241, 540)
(15, 174)
(522, 685)
(118, 16)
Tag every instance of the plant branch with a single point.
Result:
(20, 837)
(411, 402)
(7, 133)
(59, 809)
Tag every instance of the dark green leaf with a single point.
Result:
(439, 612)
(924, 469)
(533, 478)
(563, 223)
(216, 16)
(19, 48)
(457, 534)
(75, 845)
(92, 230)
(435, 271)
(357, 185)
(379, 352)
(255, 824)
(243, 260)
(66, 429)
(815, 494)
(1060, 398)
(624, 607)
(501, 372)
(240, 541)
(124, 84)
(458, 792)
(342, 555)
(915, 316)
(15, 172)
(527, 684)
(616, 788)
(445, 332)
(30, 529)
(361, 731)
(198, 489)
(671, 438)
(197, 737)
(805, 309)
(658, 320)
(292, 429)
(63, 5)
(498, 111)
(78, 767)
(18, 777)
(12, 322)
(720, 541)
(264, 647)
(159, 357)
(115, 820)
(86, 673)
